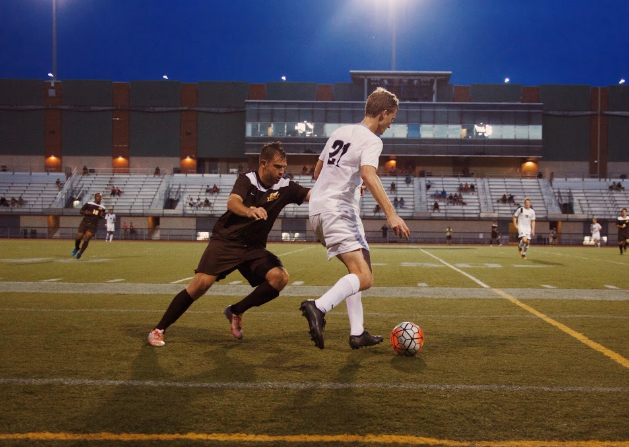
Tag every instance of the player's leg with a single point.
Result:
(268, 288)
(77, 242)
(200, 284)
(525, 247)
(86, 241)
(520, 244)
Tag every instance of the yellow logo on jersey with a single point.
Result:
(273, 196)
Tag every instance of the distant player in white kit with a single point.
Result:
(110, 220)
(345, 168)
(596, 232)
(524, 220)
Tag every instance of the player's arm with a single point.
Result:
(532, 227)
(373, 183)
(318, 169)
(515, 221)
(307, 199)
(235, 205)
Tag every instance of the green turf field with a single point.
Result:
(518, 352)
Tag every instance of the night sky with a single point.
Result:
(532, 42)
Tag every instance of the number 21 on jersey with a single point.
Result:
(338, 146)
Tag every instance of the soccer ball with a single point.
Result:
(407, 338)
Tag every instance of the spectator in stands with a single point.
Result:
(20, 201)
(435, 206)
(376, 209)
(118, 191)
(428, 185)
(191, 202)
(58, 183)
(206, 203)
(402, 202)
(451, 199)
(3, 201)
(208, 190)
(215, 189)
(472, 188)
(113, 191)
(443, 195)
(199, 203)
(392, 188)
(13, 201)
(466, 188)
(157, 172)
(396, 203)
(125, 230)
(409, 179)
(503, 199)
(461, 187)
(623, 177)
(86, 171)
(511, 199)
(131, 230)
(304, 170)
(385, 231)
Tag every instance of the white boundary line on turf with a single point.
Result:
(480, 283)
(296, 251)
(181, 280)
(309, 385)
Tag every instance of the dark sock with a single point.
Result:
(260, 295)
(84, 247)
(77, 244)
(620, 246)
(177, 307)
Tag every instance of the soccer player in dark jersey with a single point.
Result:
(238, 242)
(622, 223)
(92, 212)
(495, 234)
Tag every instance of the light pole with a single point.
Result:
(54, 42)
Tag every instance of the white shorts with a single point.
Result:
(523, 234)
(339, 231)
(111, 227)
(596, 236)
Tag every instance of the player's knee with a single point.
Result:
(278, 278)
(366, 280)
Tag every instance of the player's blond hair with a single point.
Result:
(379, 101)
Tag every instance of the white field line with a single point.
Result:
(611, 287)
(116, 280)
(422, 284)
(308, 385)
(546, 286)
(182, 280)
(233, 283)
(297, 283)
(480, 283)
(51, 280)
(296, 251)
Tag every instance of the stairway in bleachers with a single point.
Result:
(137, 191)
(37, 189)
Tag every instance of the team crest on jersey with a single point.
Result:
(273, 196)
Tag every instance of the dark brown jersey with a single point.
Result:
(92, 213)
(251, 232)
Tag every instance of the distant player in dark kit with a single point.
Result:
(495, 234)
(238, 242)
(92, 213)
(622, 223)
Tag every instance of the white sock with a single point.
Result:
(344, 287)
(526, 247)
(355, 313)
(111, 237)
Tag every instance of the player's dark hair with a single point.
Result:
(379, 101)
(270, 150)
(624, 209)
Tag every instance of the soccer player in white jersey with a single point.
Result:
(345, 168)
(110, 220)
(524, 220)
(596, 232)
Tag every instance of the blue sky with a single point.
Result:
(532, 42)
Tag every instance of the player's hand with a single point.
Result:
(258, 214)
(363, 187)
(399, 227)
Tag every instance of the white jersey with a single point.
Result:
(596, 230)
(110, 219)
(338, 185)
(525, 217)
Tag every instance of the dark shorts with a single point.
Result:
(623, 234)
(449, 237)
(221, 258)
(85, 227)
(494, 235)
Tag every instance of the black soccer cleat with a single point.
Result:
(364, 339)
(316, 321)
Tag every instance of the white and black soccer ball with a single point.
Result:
(407, 338)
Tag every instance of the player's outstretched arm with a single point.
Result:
(318, 169)
(235, 205)
(373, 183)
